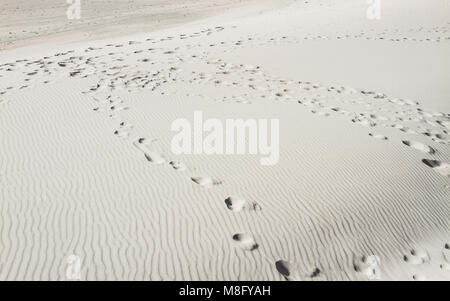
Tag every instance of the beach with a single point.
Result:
(346, 175)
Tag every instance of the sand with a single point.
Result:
(360, 192)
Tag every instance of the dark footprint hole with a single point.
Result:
(254, 247)
(407, 143)
(282, 268)
(315, 273)
(237, 237)
(230, 206)
(431, 163)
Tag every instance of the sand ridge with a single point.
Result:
(362, 173)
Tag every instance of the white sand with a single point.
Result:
(364, 147)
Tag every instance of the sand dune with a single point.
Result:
(360, 192)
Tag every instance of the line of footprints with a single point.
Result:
(112, 105)
(290, 271)
(421, 256)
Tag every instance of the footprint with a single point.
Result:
(369, 266)
(416, 256)
(419, 146)
(440, 167)
(245, 241)
(178, 165)
(124, 130)
(151, 156)
(446, 252)
(441, 138)
(122, 133)
(288, 270)
(205, 181)
(320, 113)
(364, 122)
(408, 130)
(118, 108)
(446, 256)
(154, 158)
(317, 274)
(445, 124)
(445, 266)
(378, 136)
(236, 204)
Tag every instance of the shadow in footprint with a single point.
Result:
(236, 204)
(419, 146)
(287, 270)
(440, 167)
(205, 181)
(416, 256)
